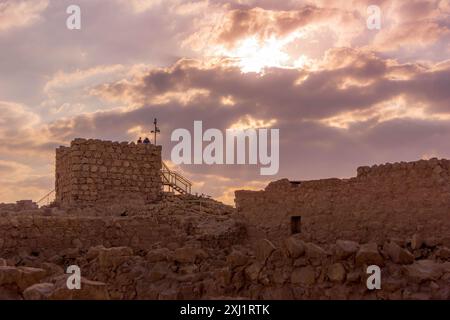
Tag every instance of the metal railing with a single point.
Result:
(47, 199)
(174, 180)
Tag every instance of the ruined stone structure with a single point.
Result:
(383, 201)
(188, 247)
(93, 170)
(20, 205)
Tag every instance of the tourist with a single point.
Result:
(146, 140)
(139, 140)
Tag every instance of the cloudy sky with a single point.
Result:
(341, 95)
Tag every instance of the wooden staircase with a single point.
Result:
(175, 181)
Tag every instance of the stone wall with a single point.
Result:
(52, 235)
(18, 206)
(177, 219)
(381, 202)
(410, 269)
(93, 170)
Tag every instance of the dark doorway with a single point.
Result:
(296, 223)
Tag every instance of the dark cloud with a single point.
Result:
(349, 80)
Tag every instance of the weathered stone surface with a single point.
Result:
(336, 272)
(236, 259)
(39, 291)
(345, 248)
(305, 276)
(431, 242)
(354, 276)
(423, 270)
(264, 248)
(160, 254)
(109, 256)
(382, 202)
(398, 254)
(90, 290)
(23, 277)
(159, 271)
(188, 254)
(295, 247)
(314, 251)
(443, 253)
(93, 170)
(368, 254)
(9, 275)
(252, 271)
(30, 276)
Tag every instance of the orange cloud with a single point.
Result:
(20, 13)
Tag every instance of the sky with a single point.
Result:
(341, 94)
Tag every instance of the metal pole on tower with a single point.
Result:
(156, 129)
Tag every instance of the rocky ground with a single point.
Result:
(213, 257)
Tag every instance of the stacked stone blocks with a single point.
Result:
(382, 201)
(93, 170)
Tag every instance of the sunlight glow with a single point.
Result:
(253, 54)
(248, 122)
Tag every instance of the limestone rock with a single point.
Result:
(443, 253)
(346, 248)
(90, 290)
(368, 254)
(336, 272)
(113, 257)
(23, 277)
(160, 254)
(431, 242)
(398, 254)
(264, 248)
(354, 276)
(314, 251)
(295, 247)
(39, 291)
(52, 269)
(30, 276)
(158, 271)
(252, 271)
(305, 275)
(423, 270)
(236, 258)
(188, 254)
(9, 275)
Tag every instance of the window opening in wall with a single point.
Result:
(296, 222)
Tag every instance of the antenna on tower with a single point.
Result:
(156, 130)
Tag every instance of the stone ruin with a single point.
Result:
(20, 205)
(383, 201)
(90, 170)
(293, 240)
